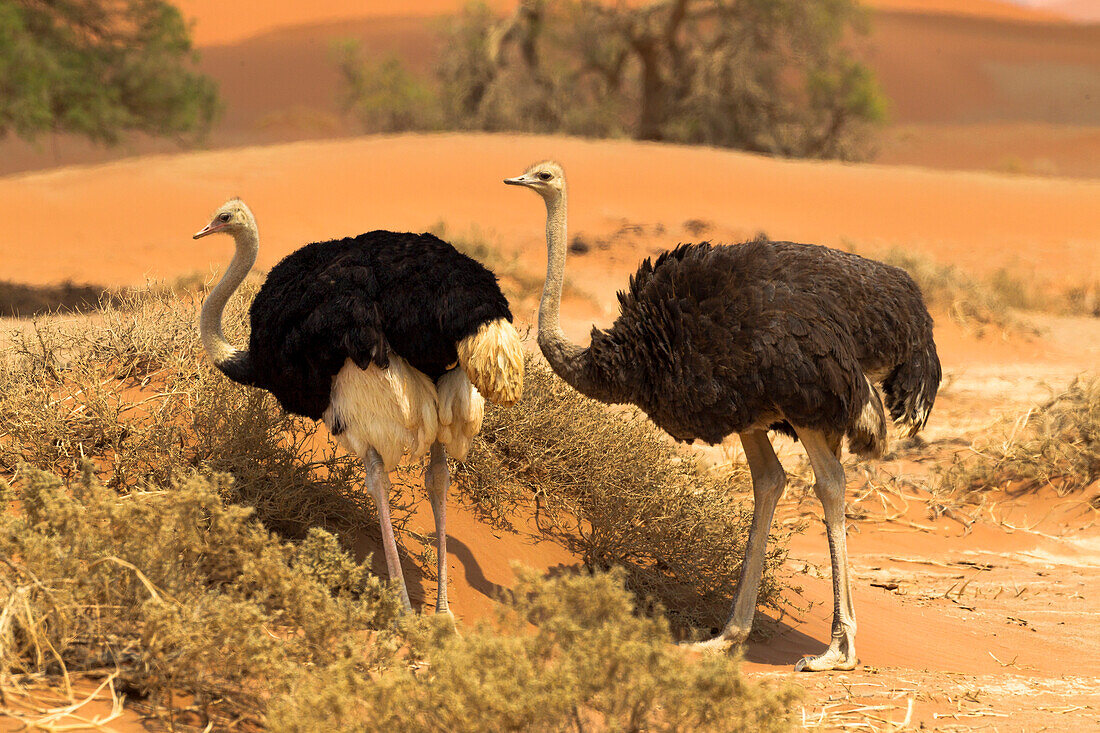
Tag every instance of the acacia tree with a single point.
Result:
(773, 76)
(99, 68)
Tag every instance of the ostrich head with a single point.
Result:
(546, 178)
(232, 218)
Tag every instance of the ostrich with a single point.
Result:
(391, 339)
(713, 340)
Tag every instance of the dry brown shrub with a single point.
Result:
(992, 304)
(618, 492)
(972, 303)
(1056, 444)
(130, 390)
(590, 662)
(179, 591)
(194, 605)
(129, 552)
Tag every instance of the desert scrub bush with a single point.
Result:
(133, 551)
(1056, 444)
(564, 654)
(982, 306)
(129, 390)
(991, 304)
(200, 609)
(618, 493)
(178, 591)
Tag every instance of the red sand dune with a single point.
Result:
(220, 23)
(981, 8)
(942, 69)
(1084, 10)
(217, 23)
(119, 222)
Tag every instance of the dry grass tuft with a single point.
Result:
(617, 491)
(983, 306)
(20, 300)
(1056, 444)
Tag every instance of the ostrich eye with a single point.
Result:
(544, 176)
(223, 217)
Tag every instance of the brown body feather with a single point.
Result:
(714, 340)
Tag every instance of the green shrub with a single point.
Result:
(383, 96)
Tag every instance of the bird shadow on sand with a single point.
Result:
(777, 643)
(474, 575)
(365, 539)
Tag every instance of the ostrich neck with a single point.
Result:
(210, 323)
(550, 307)
(570, 361)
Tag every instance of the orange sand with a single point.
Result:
(217, 23)
(980, 8)
(120, 222)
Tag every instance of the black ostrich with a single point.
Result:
(391, 339)
(713, 340)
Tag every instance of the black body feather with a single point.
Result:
(717, 339)
(362, 298)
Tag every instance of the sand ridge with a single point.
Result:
(215, 23)
(120, 222)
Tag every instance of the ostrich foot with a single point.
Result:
(834, 658)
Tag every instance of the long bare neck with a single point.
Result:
(225, 356)
(569, 361)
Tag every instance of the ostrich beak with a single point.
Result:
(208, 229)
(517, 181)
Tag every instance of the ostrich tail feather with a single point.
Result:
(867, 437)
(493, 360)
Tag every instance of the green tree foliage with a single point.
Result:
(770, 76)
(99, 68)
(384, 96)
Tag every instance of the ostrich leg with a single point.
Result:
(378, 484)
(768, 482)
(829, 488)
(437, 480)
